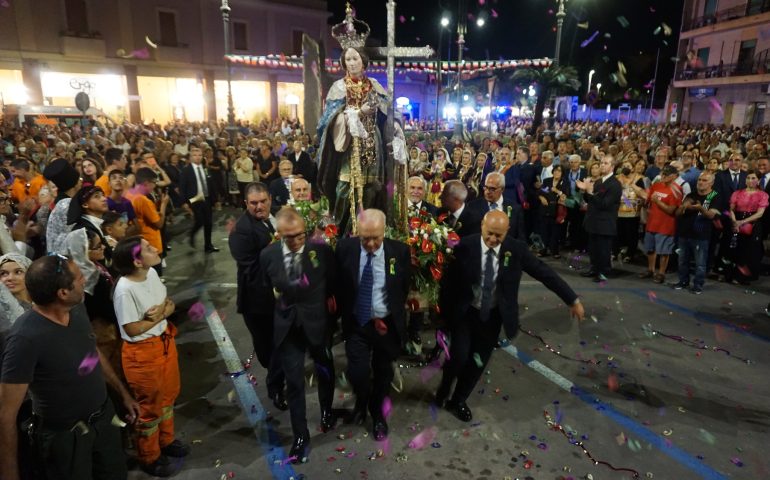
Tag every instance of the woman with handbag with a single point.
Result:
(746, 209)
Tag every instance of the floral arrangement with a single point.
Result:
(319, 223)
(431, 245)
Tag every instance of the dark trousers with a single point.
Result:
(628, 235)
(67, 453)
(470, 336)
(202, 215)
(600, 249)
(261, 330)
(576, 235)
(370, 364)
(292, 354)
(552, 233)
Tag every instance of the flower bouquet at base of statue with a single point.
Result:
(431, 246)
(319, 224)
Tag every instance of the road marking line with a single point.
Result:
(247, 396)
(682, 457)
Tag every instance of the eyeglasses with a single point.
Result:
(491, 189)
(298, 236)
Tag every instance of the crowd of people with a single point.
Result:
(85, 214)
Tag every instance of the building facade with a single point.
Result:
(154, 59)
(723, 65)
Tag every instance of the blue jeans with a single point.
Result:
(693, 249)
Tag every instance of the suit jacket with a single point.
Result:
(397, 281)
(603, 204)
(428, 207)
(305, 166)
(464, 272)
(247, 240)
(302, 304)
(514, 212)
(188, 183)
(468, 223)
(279, 194)
(723, 184)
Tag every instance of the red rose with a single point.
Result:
(331, 231)
(442, 217)
(440, 258)
(423, 213)
(452, 239)
(414, 223)
(435, 272)
(427, 247)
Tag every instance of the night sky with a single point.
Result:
(526, 29)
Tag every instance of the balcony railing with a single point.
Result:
(758, 66)
(725, 15)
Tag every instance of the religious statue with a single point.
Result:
(352, 146)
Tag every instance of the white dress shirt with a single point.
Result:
(379, 295)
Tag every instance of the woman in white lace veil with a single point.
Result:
(16, 302)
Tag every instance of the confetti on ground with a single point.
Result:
(423, 438)
(652, 296)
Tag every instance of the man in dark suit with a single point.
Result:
(253, 232)
(194, 188)
(726, 182)
(603, 199)
(415, 190)
(373, 283)
(458, 216)
(479, 294)
(575, 211)
(493, 199)
(301, 276)
(279, 188)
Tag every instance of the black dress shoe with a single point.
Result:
(359, 417)
(279, 400)
(327, 420)
(460, 410)
(299, 449)
(211, 249)
(588, 274)
(380, 430)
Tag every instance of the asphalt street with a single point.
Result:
(655, 382)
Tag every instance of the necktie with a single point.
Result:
(452, 221)
(493, 206)
(762, 182)
(294, 266)
(487, 286)
(365, 287)
(735, 181)
(269, 226)
(202, 180)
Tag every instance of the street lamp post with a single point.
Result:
(461, 30)
(225, 9)
(444, 24)
(560, 14)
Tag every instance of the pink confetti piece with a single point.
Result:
(590, 39)
(423, 438)
(197, 312)
(651, 296)
(441, 340)
(402, 19)
(715, 105)
(482, 2)
(612, 382)
(88, 364)
(744, 270)
(387, 407)
(494, 13)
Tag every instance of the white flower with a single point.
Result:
(448, 250)
(425, 236)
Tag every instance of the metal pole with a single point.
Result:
(559, 22)
(461, 29)
(225, 9)
(438, 79)
(654, 84)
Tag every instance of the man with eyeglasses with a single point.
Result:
(302, 276)
(253, 232)
(493, 200)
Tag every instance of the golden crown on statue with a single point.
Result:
(351, 32)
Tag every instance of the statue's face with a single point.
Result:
(355, 66)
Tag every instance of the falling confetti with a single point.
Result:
(623, 21)
(423, 438)
(494, 13)
(402, 19)
(590, 39)
(652, 296)
(667, 31)
(88, 364)
(387, 407)
(197, 312)
(477, 359)
(583, 25)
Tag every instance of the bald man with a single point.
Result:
(300, 189)
(479, 294)
(301, 275)
(373, 282)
